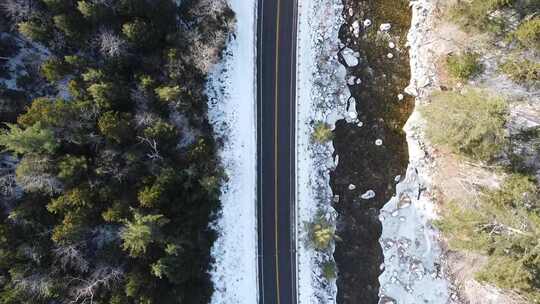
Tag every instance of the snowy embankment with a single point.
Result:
(232, 112)
(322, 95)
(413, 263)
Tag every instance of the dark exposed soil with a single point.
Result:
(361, 162)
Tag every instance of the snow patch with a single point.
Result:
(322, 95)
(232, 112)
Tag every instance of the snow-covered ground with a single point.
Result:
(232, 112)
(29, 56)
(322, 95)
(413, 266)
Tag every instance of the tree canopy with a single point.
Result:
(110, 207)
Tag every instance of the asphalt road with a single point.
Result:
(276, 69)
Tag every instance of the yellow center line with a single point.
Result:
(276, 147)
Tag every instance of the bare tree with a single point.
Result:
(8, 185)
(71, 256)
(111, 165)
(36, 284)
(152, 144)
(40, 182)
(30, 252)
(110, 44)
(102, 277)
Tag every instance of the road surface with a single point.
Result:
(276, 71)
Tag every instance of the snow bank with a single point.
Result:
(232, 112)
(413, 266)
(322, 95)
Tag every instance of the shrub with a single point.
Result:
(498, 4)
(475, 14)
(88, 9)
(162, 132)
(504, 225)
(33, 30)
(149, 196)
(54, 69)
(322, 132)
(168, 93)
(103, 93)
(528, 33)
(509, 273)
(470, 123)
(72, 168)
(56, 5)
(75, 61)
(115, 126)
(517, 191)
(115, 212)
(523, 71)
(35, 174)
(459, 224)
(93, 75)
(75, 88)
(464, 66)
(329, 270)
(139, 233)
(146, 82)
(68, 25)
(321, 233)
(34, 139)
(137, 32)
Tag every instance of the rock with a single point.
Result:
(350, 57)
(390, 55)
(368, 195)
(351, 80)
(352, 187)
(387, 300)
(385, 27)
(367, 23)
(353, 115)
(356, 29)
(360, 124)
(404, 201)
(391, 45)
(379, 142)
(400, 97)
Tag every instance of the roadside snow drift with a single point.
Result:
(232, 112)
(322, 96)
